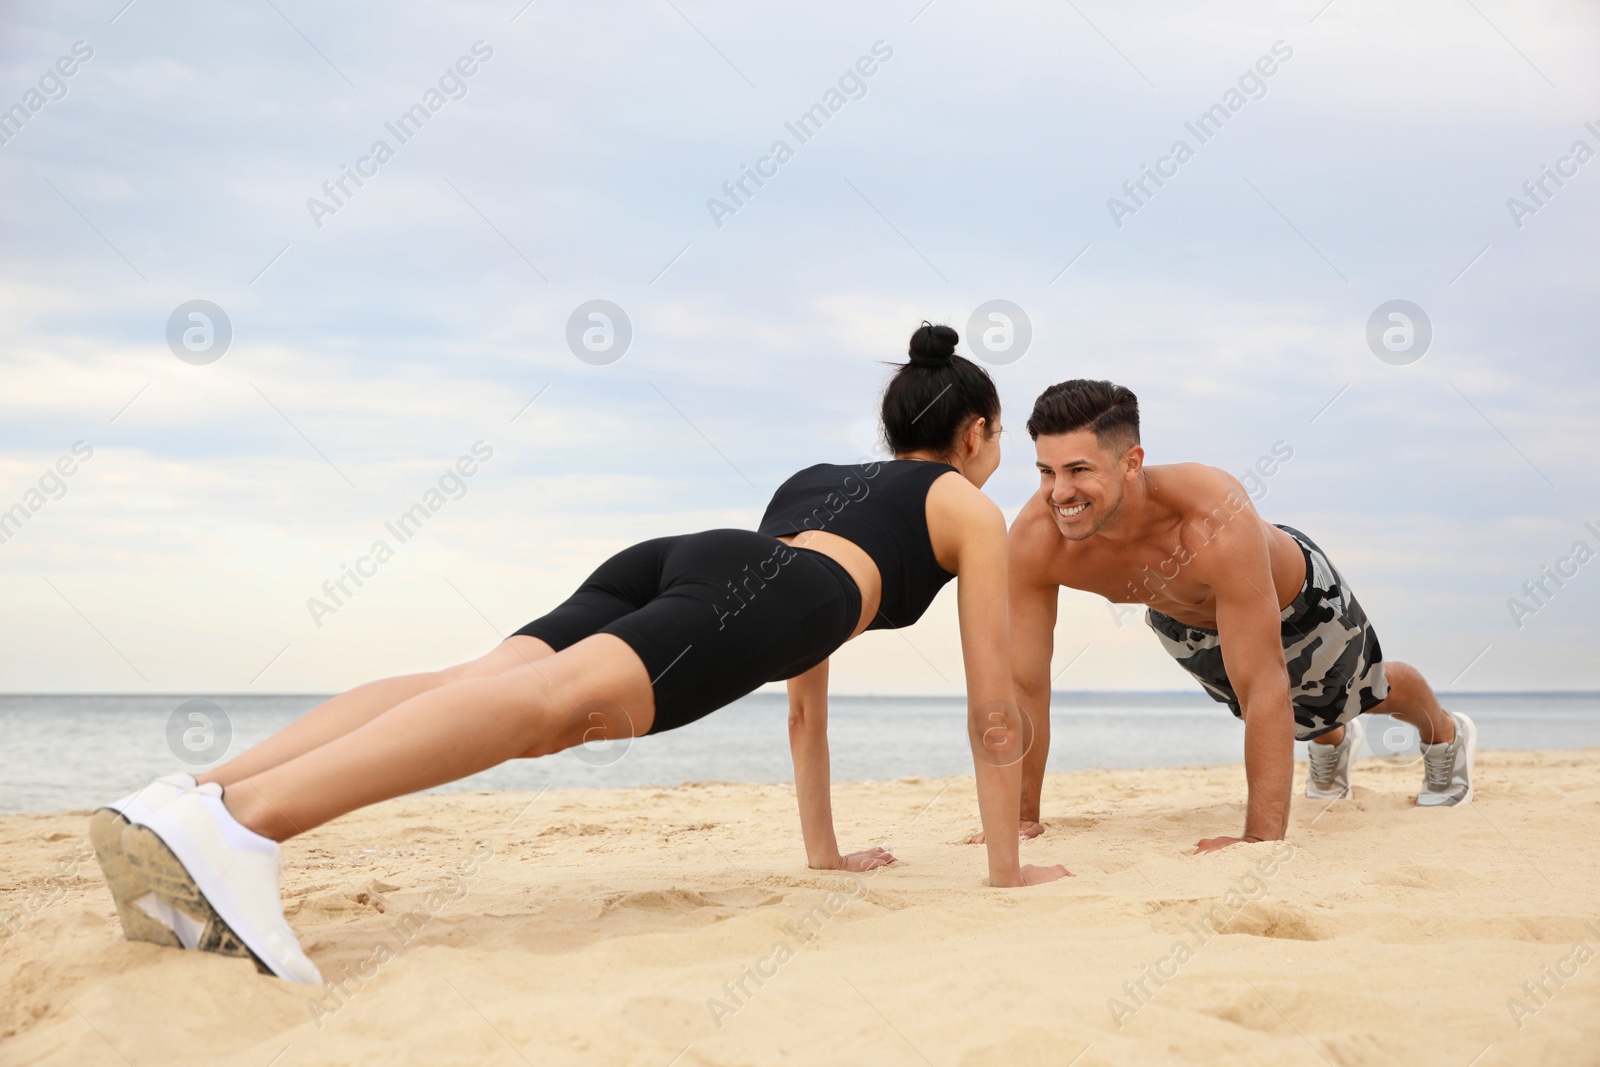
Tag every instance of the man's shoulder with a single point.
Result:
(1195, 491)
(1034, 528)
(1039, 554)
(1219, 526)
(1191, 480)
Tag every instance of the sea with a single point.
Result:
(63, 752)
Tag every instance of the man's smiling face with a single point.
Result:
(1081, 480)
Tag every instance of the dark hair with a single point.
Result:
(1110, 410)
(932, 397)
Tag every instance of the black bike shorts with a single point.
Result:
(713, 615)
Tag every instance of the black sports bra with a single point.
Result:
(883, 509)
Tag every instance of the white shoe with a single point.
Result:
(167, 787)
(222, 880)
(1329, 777)
(1447, 766)
(127, 887)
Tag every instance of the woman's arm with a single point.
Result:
(995, 723)
(808, 743)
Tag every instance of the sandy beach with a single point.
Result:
(680, 926)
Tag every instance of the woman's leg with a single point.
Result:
(350, 710)
(598, 688)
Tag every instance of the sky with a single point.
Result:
(430, 316)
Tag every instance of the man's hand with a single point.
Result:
(868, 860)
(1217, 844)
(1027, 830)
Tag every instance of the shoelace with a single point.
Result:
(1324, 761)
(1437, 767)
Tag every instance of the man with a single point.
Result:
(1255, 612)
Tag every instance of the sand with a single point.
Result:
(618, 927)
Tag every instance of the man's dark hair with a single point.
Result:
(1110, 410)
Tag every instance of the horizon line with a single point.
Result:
(864, 696)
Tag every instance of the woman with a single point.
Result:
(661, 634)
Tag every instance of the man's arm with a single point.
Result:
(1239, 568)
(808, 743)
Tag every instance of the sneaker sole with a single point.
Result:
(1462, 722)
(160, 872)
(124, 880)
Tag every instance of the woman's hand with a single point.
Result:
(1214, 844)
(869, 860)
(1032, 874)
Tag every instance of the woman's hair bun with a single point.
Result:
(929, 401)
(933, 346)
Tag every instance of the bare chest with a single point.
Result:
(1158, 575)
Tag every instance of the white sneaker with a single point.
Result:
(127, 888)
(1447, 766)
(1329, 777)
(222, 879)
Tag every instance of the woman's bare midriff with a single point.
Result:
(853, 559)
